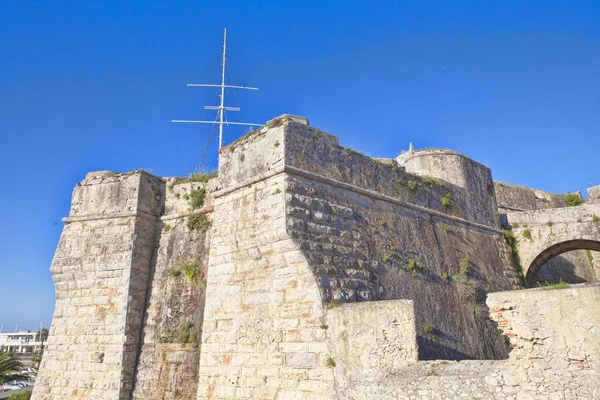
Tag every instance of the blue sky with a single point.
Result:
(93, 86)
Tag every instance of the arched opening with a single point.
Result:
(574, 266)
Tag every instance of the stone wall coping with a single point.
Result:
(342, 185)
(371, 304)
(95, 217)
(537, 216)
(142, 214)
(508, 295)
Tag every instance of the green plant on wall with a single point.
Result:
(198, 222)
(330, 362)
(414, 266)
(197, 198)
(527, 234)
(590, 257)
(511, 241)
(428, 328)
(464, 266)
(190, 271)
(447, 200)
(573, 199)
(199, 177)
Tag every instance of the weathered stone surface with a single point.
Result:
(283, 297)
(371, 338)
(577, 266)
(549, 360)
(543, 234)
(101, 271)
(519, 198)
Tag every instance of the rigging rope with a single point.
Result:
(212, 132)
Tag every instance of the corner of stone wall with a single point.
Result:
(101, 271)
(556, 327)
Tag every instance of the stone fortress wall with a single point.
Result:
(307, 270)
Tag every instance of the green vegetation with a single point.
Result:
(573, 199)
(431, 182)
(10, 368)
(20, 396)
(414, 266)
(412, 184)
(590, 257)
(174, 272)
(511, 241)
(198, 222)
(324, 326)
(446, 227)
(333, 304)
(527, 234)
(185, 196)
(549, 223)
(595, 218)
(167, 228)
(277, 144)
(445, 276)
(199, 177)
(515, 225)
(428, 328)
(275, 122)
(190, 271)
(464, 266)
(197, 198)
(497, 215)
(330, 362)
(560, 285)
(184, 334)
(447, 200)
(277, 191)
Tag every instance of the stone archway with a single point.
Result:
(555, 250)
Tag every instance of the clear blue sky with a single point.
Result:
(93, 85)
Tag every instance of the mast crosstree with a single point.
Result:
(221, 108)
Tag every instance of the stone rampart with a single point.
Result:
(305, 271)
(101, 271)
(364, 245)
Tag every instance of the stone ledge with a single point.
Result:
(342, 185)
(95, 217)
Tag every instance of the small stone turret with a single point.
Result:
(457, 169)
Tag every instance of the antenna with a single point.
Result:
(221, 108)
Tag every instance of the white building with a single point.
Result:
(19, 342)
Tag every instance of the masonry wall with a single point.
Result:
(101, 270)
(553, 334)
(170, 352)
(520, 198)
(263, 334)
(577, 266)
(364, 244)
(542, 234)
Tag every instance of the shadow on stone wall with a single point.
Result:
(572, 267)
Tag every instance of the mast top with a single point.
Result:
(221, 118)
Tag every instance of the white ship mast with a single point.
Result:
(221, 108)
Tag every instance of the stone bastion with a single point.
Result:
(307, 270)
